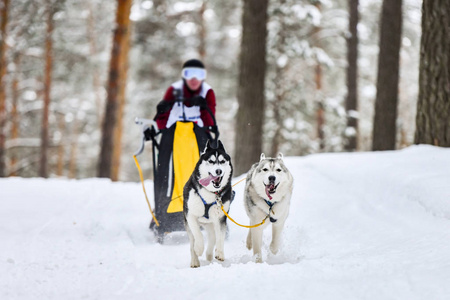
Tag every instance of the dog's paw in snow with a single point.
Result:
(220, 255)
(274, 248)
(195, 263)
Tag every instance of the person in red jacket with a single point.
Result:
(198, 99)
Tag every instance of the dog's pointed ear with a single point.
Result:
(280, 155)
(263, 156)
(220, 145)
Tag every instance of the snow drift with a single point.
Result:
(362, 226)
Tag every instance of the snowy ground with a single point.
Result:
(362, 226)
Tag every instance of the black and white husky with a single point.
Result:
(208, 187)
(268, 192)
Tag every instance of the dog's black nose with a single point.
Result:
(272, 178)
(218, 172)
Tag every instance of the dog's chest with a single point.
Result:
(206, 212)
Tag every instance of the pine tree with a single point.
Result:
(433, 108)
(4, 5)
(384, 125)
(110, 119)
(249, 120)
(351, 104)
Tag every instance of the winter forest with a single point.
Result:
(291, 76)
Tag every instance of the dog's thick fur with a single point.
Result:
(267, 195)
(209, 183)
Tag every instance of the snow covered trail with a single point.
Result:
(362, 226)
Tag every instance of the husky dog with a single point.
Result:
(268, 192)
(206, 190)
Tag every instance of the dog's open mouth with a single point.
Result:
(271, 188)
(216, 180)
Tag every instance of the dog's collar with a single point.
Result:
(219, 194)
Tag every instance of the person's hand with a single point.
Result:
(149, 133)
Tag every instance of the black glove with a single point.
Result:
(149, 133)
(197, 101)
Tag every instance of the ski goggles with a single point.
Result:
(189, 73)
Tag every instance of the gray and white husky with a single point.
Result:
(208, 187)
(268, 192)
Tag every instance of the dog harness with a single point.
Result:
(271, 204)
(219, 196)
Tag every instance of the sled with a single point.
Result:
(175, 152)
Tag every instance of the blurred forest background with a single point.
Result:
(58, 76)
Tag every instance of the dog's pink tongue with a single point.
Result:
(267, 191)
(207, 180)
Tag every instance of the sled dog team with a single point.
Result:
(267, 196)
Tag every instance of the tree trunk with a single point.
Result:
(4, 22)
(279, 88)
(14, 113)
(60, 160)
(45, 140)
(433, 107)
(202, 32)
(121, 100)
(73, 149)
(110, 117)
(93, 51)
(277, 106)
(384, 127)
(351, 104)
(252, 69)
(320, 112)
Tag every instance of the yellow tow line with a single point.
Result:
(228, 216)
(246, 226)
(143, 187)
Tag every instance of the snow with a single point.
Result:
(369, 225)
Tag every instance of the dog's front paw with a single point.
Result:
(274, 248)
(220, 255)
(195, 263)
(199, 247)
(258, 259)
